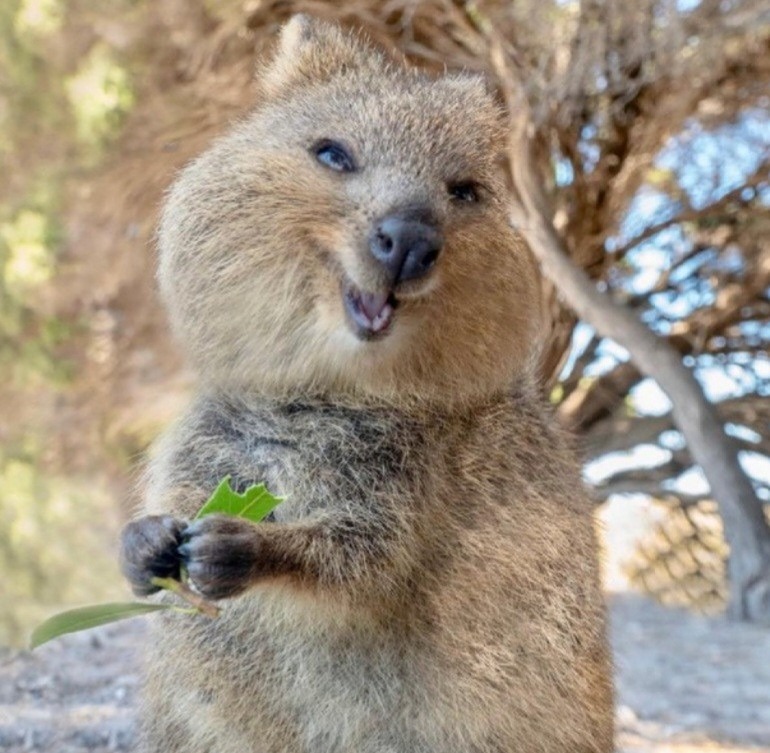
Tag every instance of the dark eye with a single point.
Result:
(467, 191)
(334, 155)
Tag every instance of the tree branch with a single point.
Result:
(691, 214)
(745, 526)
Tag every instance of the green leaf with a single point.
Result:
(89, 617)
(254, 504)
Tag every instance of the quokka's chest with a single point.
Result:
(325, 461)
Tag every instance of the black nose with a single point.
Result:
(406, 247)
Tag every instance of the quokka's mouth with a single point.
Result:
(370, 314)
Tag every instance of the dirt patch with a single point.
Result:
(686, 684)
(75, 694)
(689, 683)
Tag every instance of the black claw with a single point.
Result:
(149, 550)
(217, 555)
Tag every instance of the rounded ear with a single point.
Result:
(309, 51)
(302, 30)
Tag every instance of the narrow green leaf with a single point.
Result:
(254, 504)
(84, 618)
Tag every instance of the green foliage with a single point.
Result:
(60, 104)
(38, 19)
(26, 73)
(100, 95)
(41, 517)
(253, 505)
(30, 235)
(43, 512)
(29, 259)
(86, 618)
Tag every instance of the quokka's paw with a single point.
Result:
(149, 549)
(222, 555)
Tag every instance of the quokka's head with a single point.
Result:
(350, 236)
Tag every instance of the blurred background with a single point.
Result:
(653, 143)
(650, 135)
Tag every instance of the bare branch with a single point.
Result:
(735, 196)
(745, 526)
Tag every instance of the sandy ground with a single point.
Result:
(686, 684)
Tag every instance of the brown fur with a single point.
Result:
(430, 583)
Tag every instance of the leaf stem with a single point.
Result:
(185, 592)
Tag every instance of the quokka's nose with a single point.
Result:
(405, 246)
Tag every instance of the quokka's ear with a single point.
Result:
(310, 51)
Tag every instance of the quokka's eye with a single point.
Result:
(334, 155)
(467, 191)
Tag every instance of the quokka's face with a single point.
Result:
(391, 199)
(358, 218)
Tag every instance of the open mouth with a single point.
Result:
(371, 314)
